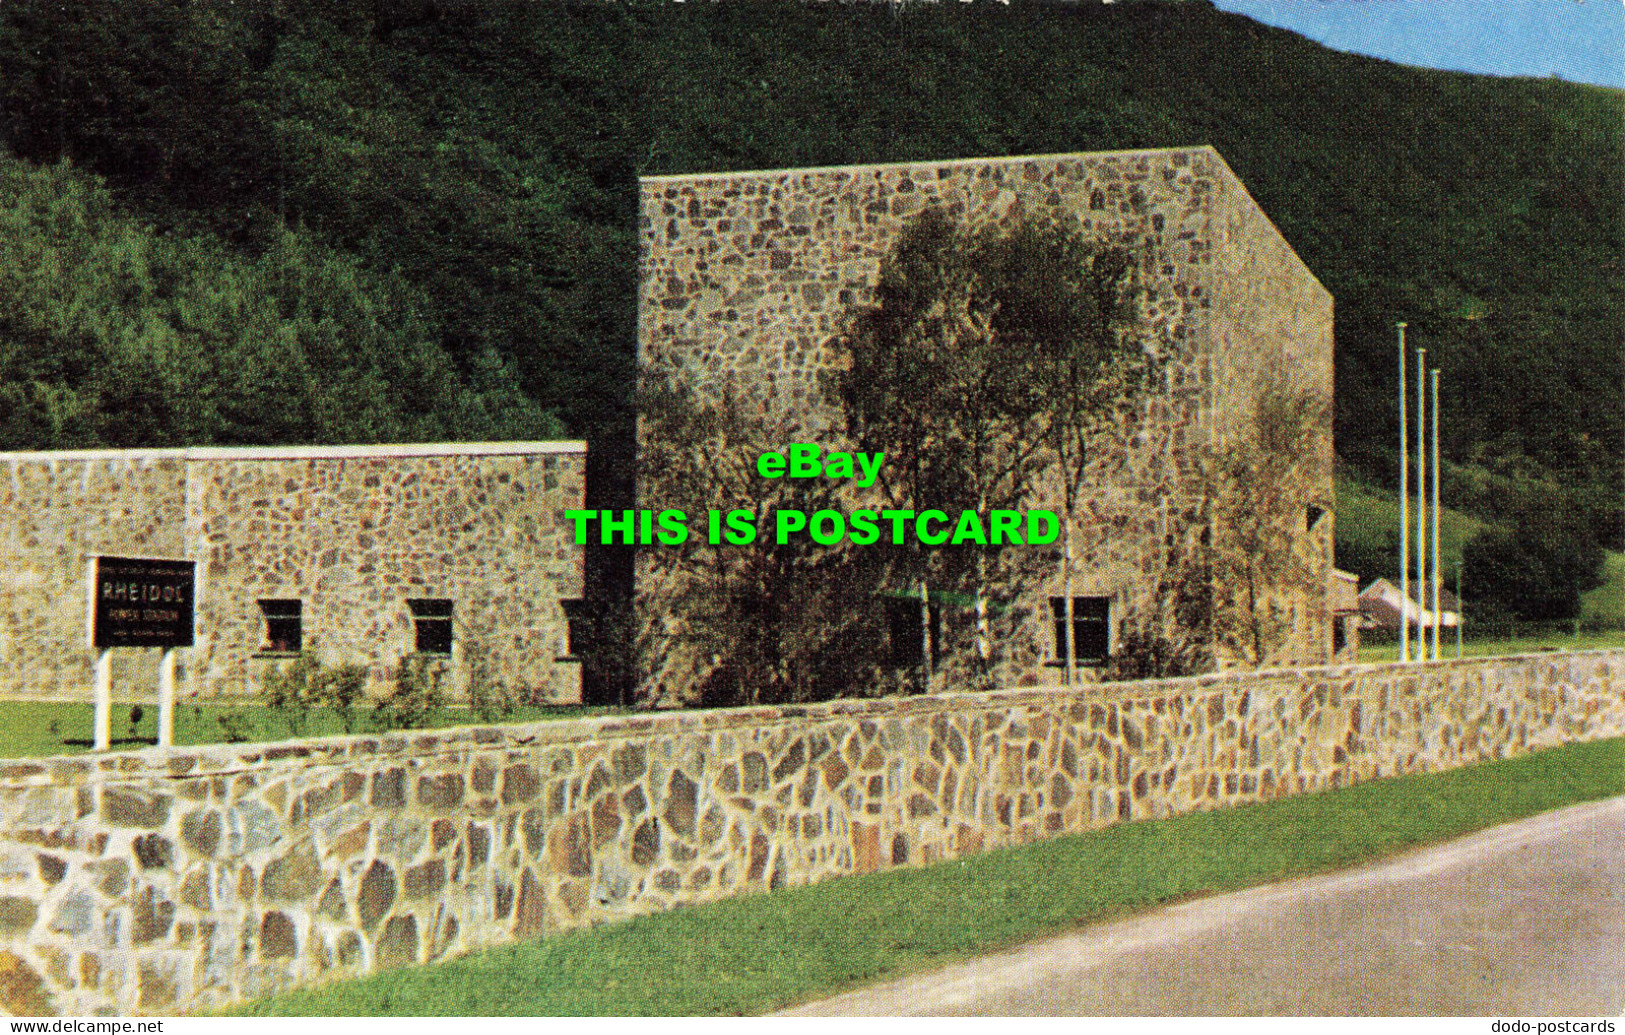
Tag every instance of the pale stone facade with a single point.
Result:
(160, 881)
(345, 541)
(747, 280)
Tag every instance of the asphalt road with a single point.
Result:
(1519, 920)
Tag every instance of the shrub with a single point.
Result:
(292, 691)
(341, 687)
(234, 726)
(491, 700)
(417, 694)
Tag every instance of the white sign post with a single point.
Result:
(104, 699)
(166, 698)
(138, 602)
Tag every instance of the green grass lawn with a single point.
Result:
(761, 952)
(31, 729)
(1368, 515)
(1492, 646)
(1606, 603)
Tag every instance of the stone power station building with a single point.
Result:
(361, 554)
(195, 878)
(749, 278)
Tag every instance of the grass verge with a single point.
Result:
(31, 729)
(1489, 648)
(1369, 515)
(762, 952)
(1606, 603)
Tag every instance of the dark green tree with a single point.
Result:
(988, 360)
(1534, 570)
(1075, 304)
(1259, 478)
(750, 622)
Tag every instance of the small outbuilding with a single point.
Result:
(1344, 599)
(1382, 604)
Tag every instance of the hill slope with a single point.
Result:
(483, 158)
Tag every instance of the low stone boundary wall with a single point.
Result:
(173, 880)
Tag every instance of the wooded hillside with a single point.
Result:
(287, 221)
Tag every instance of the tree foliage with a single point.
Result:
(981, 349)
(1535, 569)
(946, 379)
(1259, 480)
(755, 622)
(485, 155)
(114, 333)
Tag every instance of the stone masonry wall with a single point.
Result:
(747, 279)
(355, 539)
(55, 511)
(353, 533)
(165, 881)
(1271, 326)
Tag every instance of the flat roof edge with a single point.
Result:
(306, 452)
(921, 162)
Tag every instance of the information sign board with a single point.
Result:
(142, 602)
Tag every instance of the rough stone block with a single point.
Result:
(17, 915)
(530, 914)
(153, 851)
(292, 877)
(51, 868)
(278, 939)
(200, 832)
(377, 894)
(125, 807)
(398, 943)
(520, 783)
(151, 916)
(22, 990)
(389, 788)
(440, 792)
(424, 881)
(681, 799)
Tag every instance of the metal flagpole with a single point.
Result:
(1421, 499)
(1438, 575)
(1404, 508)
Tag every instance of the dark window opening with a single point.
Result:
(1091, 628)
(903, 629)
(284, 626)
(574, 626)
(432, 619)
(1340, 636)
(1312, 516)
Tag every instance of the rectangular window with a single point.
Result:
(1091, 628)
(903, 629)
(432, 619)
(574, 626)
(284, 626)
